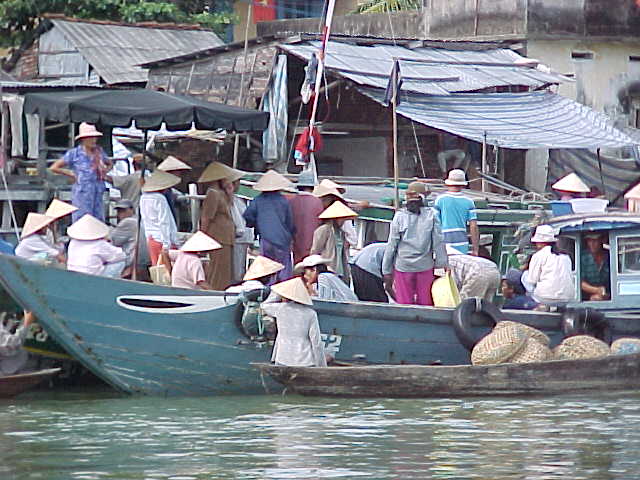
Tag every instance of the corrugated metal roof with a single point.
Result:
(58, 83)
(429, 70)
(116, 51)
(512, 120)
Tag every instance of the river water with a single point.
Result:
(100, 435)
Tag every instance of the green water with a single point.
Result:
(99, 435)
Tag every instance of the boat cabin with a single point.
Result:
(619, 233)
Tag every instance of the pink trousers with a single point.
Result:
(413, 288)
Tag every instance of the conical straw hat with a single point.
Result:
(173, 163)
(235, 174)
(200, 242)
(159, 181)
(35, 222)
(633, 193)
(331, 184)
(215, 171)
(337, 210)
(293, 289)
(58, 209)
(322, 191)
(261, 267)
(88, 228)
(272, 181)
(571, 183)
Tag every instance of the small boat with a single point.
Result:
(12, 385)
(611, 373)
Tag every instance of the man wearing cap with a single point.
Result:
(176, 167)
(90, 252)
(217, 222)
(270, 214)
(186, 269)
(474, 276)
(514, 293)
(34, 244)
(570, 186)
(455, 212)
(87, 165)
(299, 342)
(305, 208)
(125, 234)
(366, 273)
(159, 224)
(414, 248)
(595, 274)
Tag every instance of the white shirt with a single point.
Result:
(91, 256)
(35, 245)
(551, 277)
(298, 343)
(350, 234)
(244, 234)
(246, 286)
(187, 270)
(157, 219)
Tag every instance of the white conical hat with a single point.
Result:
(58, 209)
(272, 181)
(160, 180)
(571, 183)
(87, 130)
(293, 289)
(331, 184)
(261, 267)
(173, 163)
(235, 174)
(216, 171)
(337, 210)
(322, 191)
(35, 222)
(200, 242)
(88, 228)
(633, 193)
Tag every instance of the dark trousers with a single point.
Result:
(367, 286)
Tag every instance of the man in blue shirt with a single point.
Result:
(515, 296)
(455, 211)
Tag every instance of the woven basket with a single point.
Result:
(533, 351)
(499, 345)
(625, 346)
(532, 332)
(580, 347)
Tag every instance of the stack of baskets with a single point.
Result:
(511, 342)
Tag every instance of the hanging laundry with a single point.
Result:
(308, 143)
(309, 82)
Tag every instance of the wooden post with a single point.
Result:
(485, 185)
(236, 142)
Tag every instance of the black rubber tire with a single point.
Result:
(585, 321)
(462, 315)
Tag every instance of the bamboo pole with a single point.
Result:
(396, 172)
(485, 185)
(236, 141)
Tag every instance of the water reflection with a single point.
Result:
(92, 437)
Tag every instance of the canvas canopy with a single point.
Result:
(148, 108)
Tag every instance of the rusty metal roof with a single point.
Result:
(115, 51)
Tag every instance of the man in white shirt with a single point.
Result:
(90, 252)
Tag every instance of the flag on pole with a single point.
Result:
(395, 78)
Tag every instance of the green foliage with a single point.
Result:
(384, 6)
(18, 18)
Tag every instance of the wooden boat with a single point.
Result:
(12, 385)
(615, 372)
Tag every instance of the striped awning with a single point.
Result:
(540, 119)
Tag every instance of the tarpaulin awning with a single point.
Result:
(148, 108)
(540, 119)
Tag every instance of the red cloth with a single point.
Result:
(154, 250)
(307, 143)
(305, 209)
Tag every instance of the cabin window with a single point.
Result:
(629, 256)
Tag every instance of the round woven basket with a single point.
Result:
(499, 345)
(625, 346)
(533, 351)
(532, 332)
(580, 347)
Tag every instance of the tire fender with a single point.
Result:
(463, 315)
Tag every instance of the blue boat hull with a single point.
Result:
(147, 339)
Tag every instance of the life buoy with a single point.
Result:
(585, 321)
(463, 314)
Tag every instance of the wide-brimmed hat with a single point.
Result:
(87, 130)
(293, 289)
(456, 177)
(417, 187)
(214, 171)
(331, 184)
(306, 179)
(172, 163)
(88, 228)
(322, 191)
(337, 210)
(544, 234)
(310, 261)
(571, 183)
(34, 223)
(272, 181)
(159, 181)
(261, 267)
(58, 209)
(200, 242)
